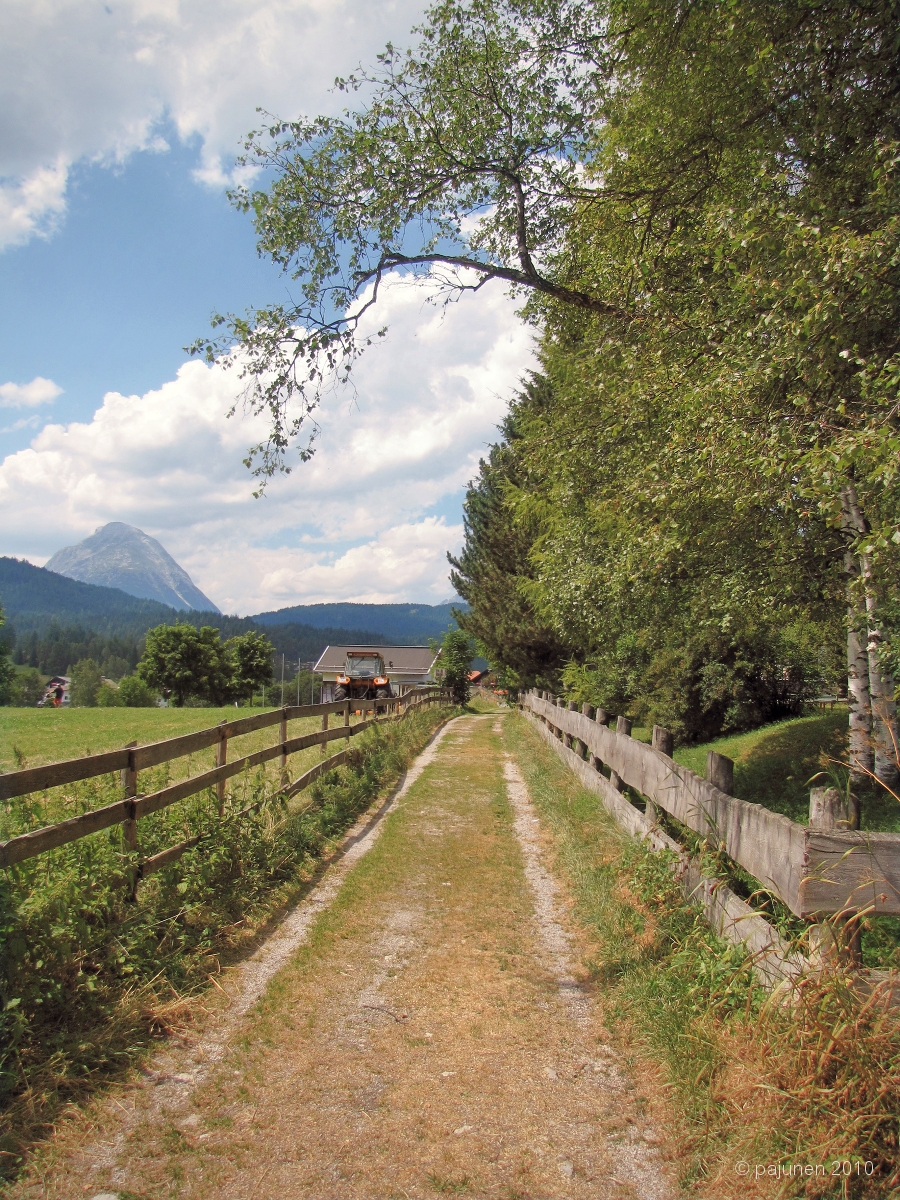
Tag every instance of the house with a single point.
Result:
(406, 667)
(56, 692)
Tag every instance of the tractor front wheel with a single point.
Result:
(340, 693)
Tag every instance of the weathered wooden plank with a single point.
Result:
(314, 739)
(732, 918)
(155, 753)
(37, 779)
(850, 869)
(295, 711)
(768, 845)
(157, 861)
(189, 743)
(313, 773)
(38, 841)
(736, 922)
(145, 805)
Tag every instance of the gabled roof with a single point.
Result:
(408, 660)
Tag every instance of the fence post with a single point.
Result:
(664, 742)
(129, 786)
(568, 740)
(347, 718)
(838, 941)
(221, 760)
(324, 747)
(600, 716)
(623, 726)
(282, 736)
(720, 772)
(587, 710)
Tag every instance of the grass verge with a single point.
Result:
(89, 979)
(772, 1082)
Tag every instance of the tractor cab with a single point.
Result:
(363, 678)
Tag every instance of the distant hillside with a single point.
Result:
(53, 621)
(121, 556)
(33, 596)
(403, 624)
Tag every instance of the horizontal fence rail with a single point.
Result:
(133, 759)
(38, 779)
(812, 871)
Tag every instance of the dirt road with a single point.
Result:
(423, 1032)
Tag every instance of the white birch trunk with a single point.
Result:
(861, 752)
(872, 703)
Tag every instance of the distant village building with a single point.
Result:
(406, 667)
(56, 692)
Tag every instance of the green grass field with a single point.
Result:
(31, 737)
(54, 734)
(773, 766)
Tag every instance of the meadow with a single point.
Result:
(33, 737)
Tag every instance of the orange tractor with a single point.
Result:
(363, 678)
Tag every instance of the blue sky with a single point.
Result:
(143, 257)
(118, 128)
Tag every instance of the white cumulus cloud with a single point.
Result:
(357, 522)
(28, 395)
(81, 80)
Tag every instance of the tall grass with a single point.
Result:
(751, 1081)
(89, 976)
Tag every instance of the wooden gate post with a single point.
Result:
(836, 942)
(623, 726)
(221, 760)
(129, 825)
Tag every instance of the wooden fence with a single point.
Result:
(814, 872)
(133, 759)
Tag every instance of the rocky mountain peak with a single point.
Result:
(121, 556)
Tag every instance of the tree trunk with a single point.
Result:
(884, 707)
(873, 712)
